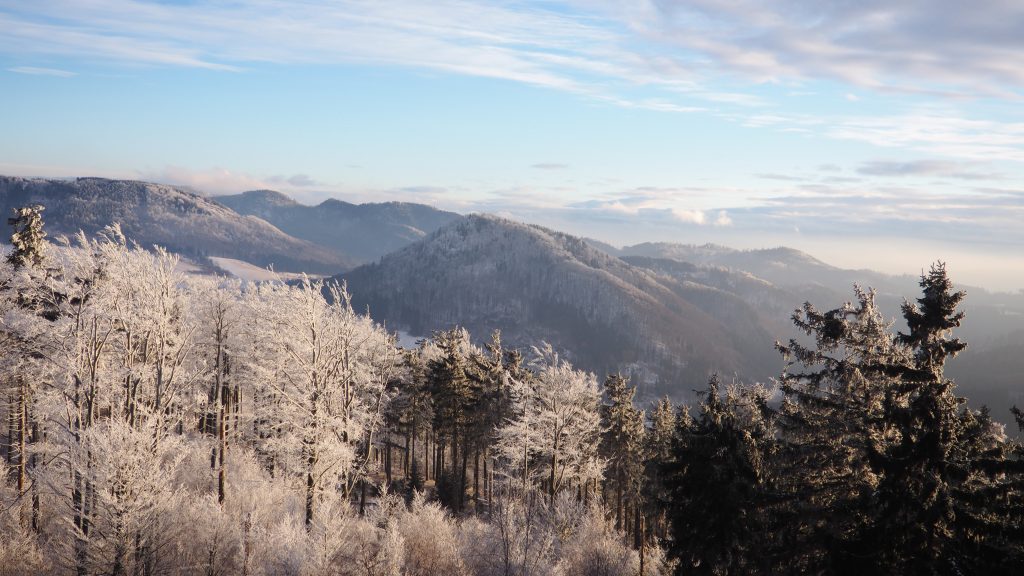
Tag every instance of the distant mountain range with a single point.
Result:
(668, 314)
(361, 232)
(262, 227)
(775, 281)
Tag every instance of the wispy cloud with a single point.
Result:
(956, 49)
(936, 168)
(214, 181)
(549, 166)
(36, 71)
(699, 56)
(940, 132)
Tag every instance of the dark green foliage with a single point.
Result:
(829, 422)
(621, 446)
(717, 480)
(454, 396)
(882, 469)
(657, 451)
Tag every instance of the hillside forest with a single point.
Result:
(162, 423)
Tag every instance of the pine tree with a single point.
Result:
(881, 469)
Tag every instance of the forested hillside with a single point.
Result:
(534, 284)
(156, 214)
(157, 423)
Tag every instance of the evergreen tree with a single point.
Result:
(658, 450)
(489, 373)
(29, 238)
(621, 447)
(881, 469)
(829, 420)
(717, 476)
(453, 395)
(927, 456)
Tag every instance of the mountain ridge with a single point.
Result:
(177, 219)
(362, 232)
(539, 284)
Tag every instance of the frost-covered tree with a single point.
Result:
(552, 437)
(28, 239)
(831, 419)
(324, 372)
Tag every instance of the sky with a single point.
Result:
(871, 134)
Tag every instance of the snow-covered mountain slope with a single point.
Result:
(536, 284)
(177, 219)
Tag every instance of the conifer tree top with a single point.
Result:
(28, 238)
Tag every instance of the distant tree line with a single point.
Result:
(156, 423)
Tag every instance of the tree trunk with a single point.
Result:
(22, 430)
(12, 412)
(222, 400)
(554, 463)
(387, 456)
(35, 489)
(638, 528)
(462, 475)
(310, 486)
(618, 507)
(476, 477)
(405, 456)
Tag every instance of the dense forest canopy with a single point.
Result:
(156, 423)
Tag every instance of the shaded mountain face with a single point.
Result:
(776, 281)
(176, 219)
(534, 284)
(362, 232)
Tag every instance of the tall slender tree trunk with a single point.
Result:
(222, 400)
(22, 441)
(310, 484)
(12, 419)
(638, 527)
(476, 477)
(487, 479)
(35, 489)
(462, 475)
(618, 506)
(387, 455)
(554, 463)
(405, 456)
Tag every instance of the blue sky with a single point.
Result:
(871, 134)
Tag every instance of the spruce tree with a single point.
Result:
(621, 446)
(657, 450)
(453, 395)
(925, 459)
(830, 418)
(717, 475)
